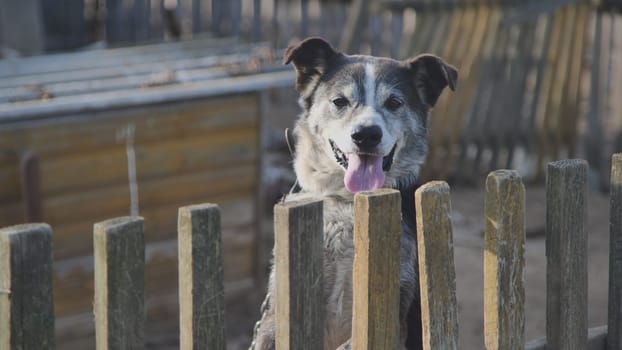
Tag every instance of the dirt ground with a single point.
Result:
(468, 227)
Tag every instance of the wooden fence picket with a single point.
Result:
(119, 253)
(614, 337)
(376, 269)
(26, 298)
(201, 286)
(437, 273)
(504, 261)
(566, 252)
(298, 250)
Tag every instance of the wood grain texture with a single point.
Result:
(437, 273)
(298, 260)
(114, 200)
(566, 251)
(376, 270)
(72, 239)
(201, 287)
(169, 139)
(26, 297)
(614, 337)
(504, 261)
(596, 340)
(119, 283)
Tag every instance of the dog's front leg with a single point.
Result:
(264, 337)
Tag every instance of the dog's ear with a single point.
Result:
(310, 58)
(431, 76)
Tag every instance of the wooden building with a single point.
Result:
(92, 135)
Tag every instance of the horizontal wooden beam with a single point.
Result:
(79, 107)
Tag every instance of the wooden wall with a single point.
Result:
(186, 153)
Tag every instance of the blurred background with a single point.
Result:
(137, 107)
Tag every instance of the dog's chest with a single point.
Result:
(338, 259)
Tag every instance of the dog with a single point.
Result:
(363, 126)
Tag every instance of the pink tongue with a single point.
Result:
(364, 173)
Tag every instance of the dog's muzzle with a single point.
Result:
(342, 158)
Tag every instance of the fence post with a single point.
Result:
(26, 298)
(614, 335)
(201, 290)
(504, 261)
(119, 253)
(566, 251)
(376, 270)
(437, 273)
(298, 259)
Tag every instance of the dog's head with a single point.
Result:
(365, 116)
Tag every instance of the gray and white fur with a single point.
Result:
(363, 126)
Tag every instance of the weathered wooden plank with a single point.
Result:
(594, 129)
(504, 261)
(67, 166)
(96, 131)
(76, 332)
(26, 297)
(298, 259)
(194, 61)
(566, 251)
(437, 274)
(358, 16)
(614, 337)
(75, 276)
(11, 214)
(596, 340)
(201, 289)
(571, 109)
(119, 255)
(71, 239)
(116, 56)
(76, 106)
(257, 20)
(213, 151)
(376, 269)
(196, 16)
(115, 199)
(31, 187)
(470, 67)
(21, 26)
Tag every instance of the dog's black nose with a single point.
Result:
(367, 137)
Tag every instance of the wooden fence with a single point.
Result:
(539, 80)
(27, 312)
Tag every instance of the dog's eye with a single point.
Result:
(341, 102)
(393, 103)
